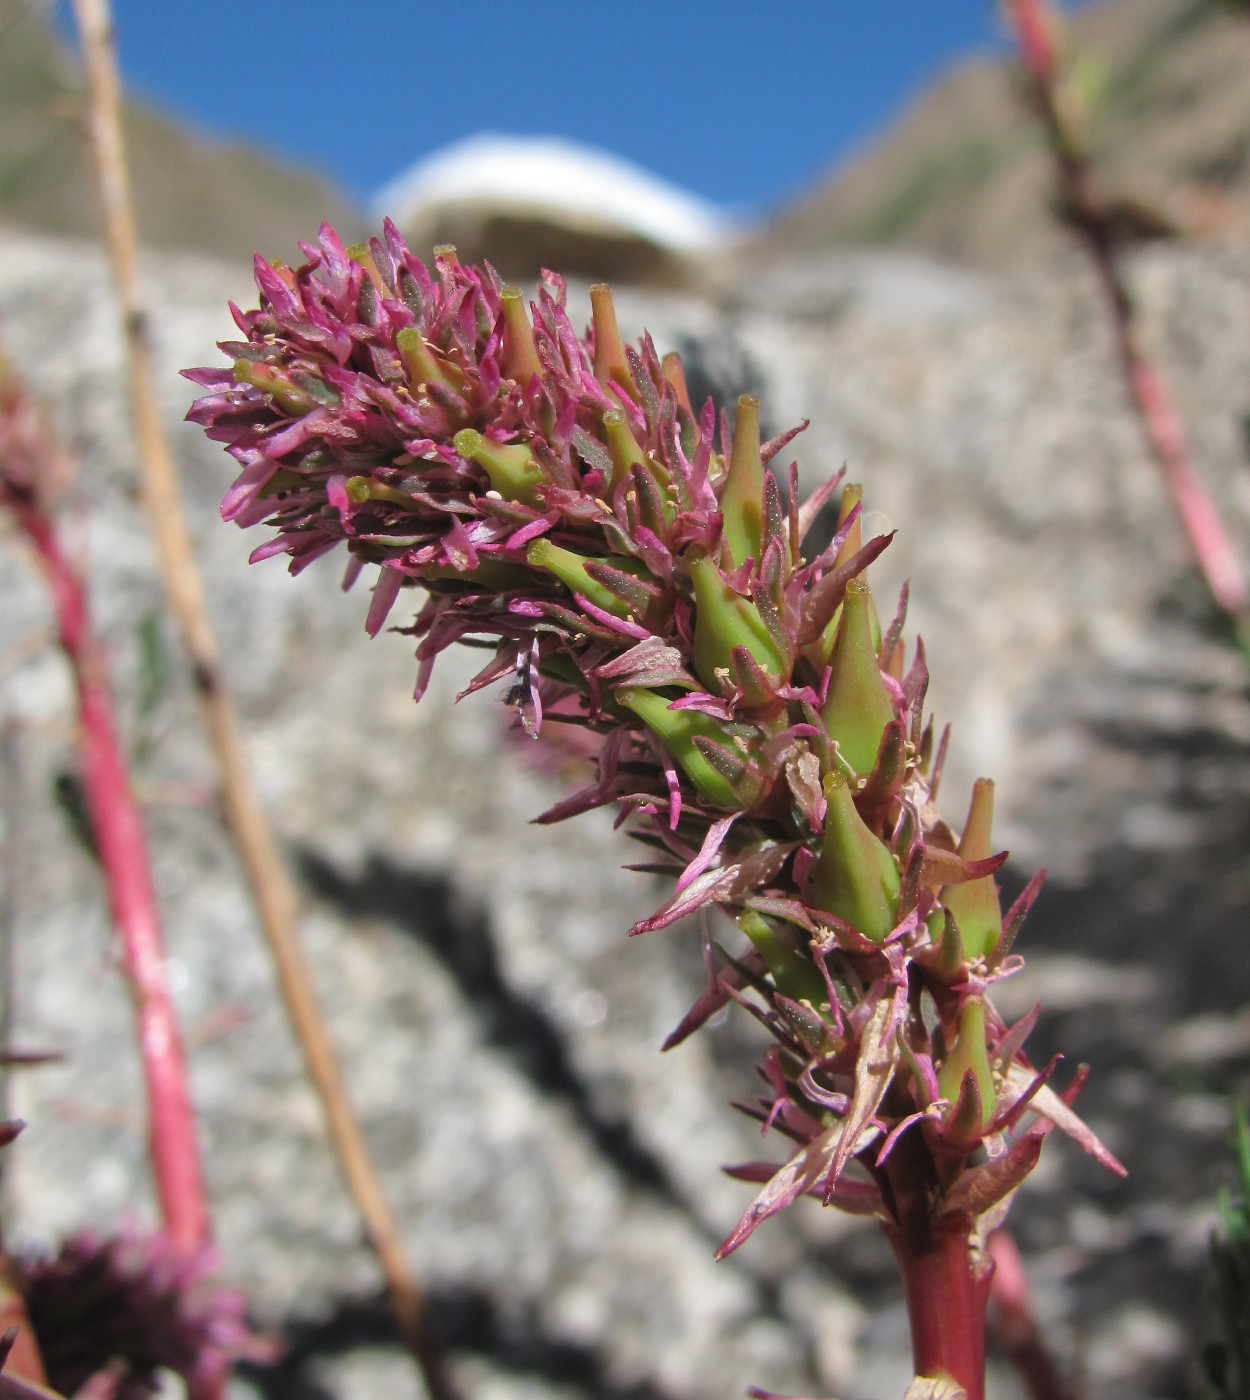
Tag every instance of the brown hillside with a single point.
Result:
(963, 173)
(190, 193)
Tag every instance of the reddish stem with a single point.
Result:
(1015, 1326)
(122, 847)
(945, 1279)
(1092, 216)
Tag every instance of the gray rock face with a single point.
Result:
(557, 1179)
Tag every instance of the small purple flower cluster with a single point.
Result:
(636, 570)
(130, 1301)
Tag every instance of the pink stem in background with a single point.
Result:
(1091, 215)
(118, 830)
(1015, 1326)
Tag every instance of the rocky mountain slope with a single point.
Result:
(963, 173)
(557, 1178)
(228, 200)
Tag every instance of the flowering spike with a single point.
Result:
(613, 624)
(854, 877)
(520, 358)
(975, 904)
(724, 620)
(741, 501)
(678, 730)
(858, 707)
(610, 363)
(511, 467)
(969, 1054)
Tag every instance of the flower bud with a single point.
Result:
(570, 569)
(858, 706)
(289, 397)
(796, 976)
(969, 1052)
(520, 358)
(510, 467)
(694, 740)
(423, 365)
(741, 500)
(854, 877)
(975, 905)
(724, 620)
(627, 455)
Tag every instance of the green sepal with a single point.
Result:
(677, 730)
(858, 706)
(794, 975)
(742, 497)
(724, 620)
(975, 903)
(969, 1052)
(512, 470)
(854, 877)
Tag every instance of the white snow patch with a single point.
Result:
(546, 175)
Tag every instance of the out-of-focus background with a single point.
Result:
(813, 205)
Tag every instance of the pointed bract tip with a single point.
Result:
(510, 467)
(520, 358)
(674, 371)
(975, 904)
(610, 363)
(858, 706)
(854, 877)
(742, 497)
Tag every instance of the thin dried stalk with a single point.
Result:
(267, 877)
(1092, 215)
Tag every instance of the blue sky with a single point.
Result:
(742, 101)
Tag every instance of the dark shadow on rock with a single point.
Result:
(428, 908)
(463, 1321)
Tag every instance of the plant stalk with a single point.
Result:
(945, 1279)
(1091, 215)
(1015, 1326)
(122, 847)
(271, 887)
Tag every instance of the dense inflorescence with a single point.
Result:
(129, 1301)
(636, 570)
